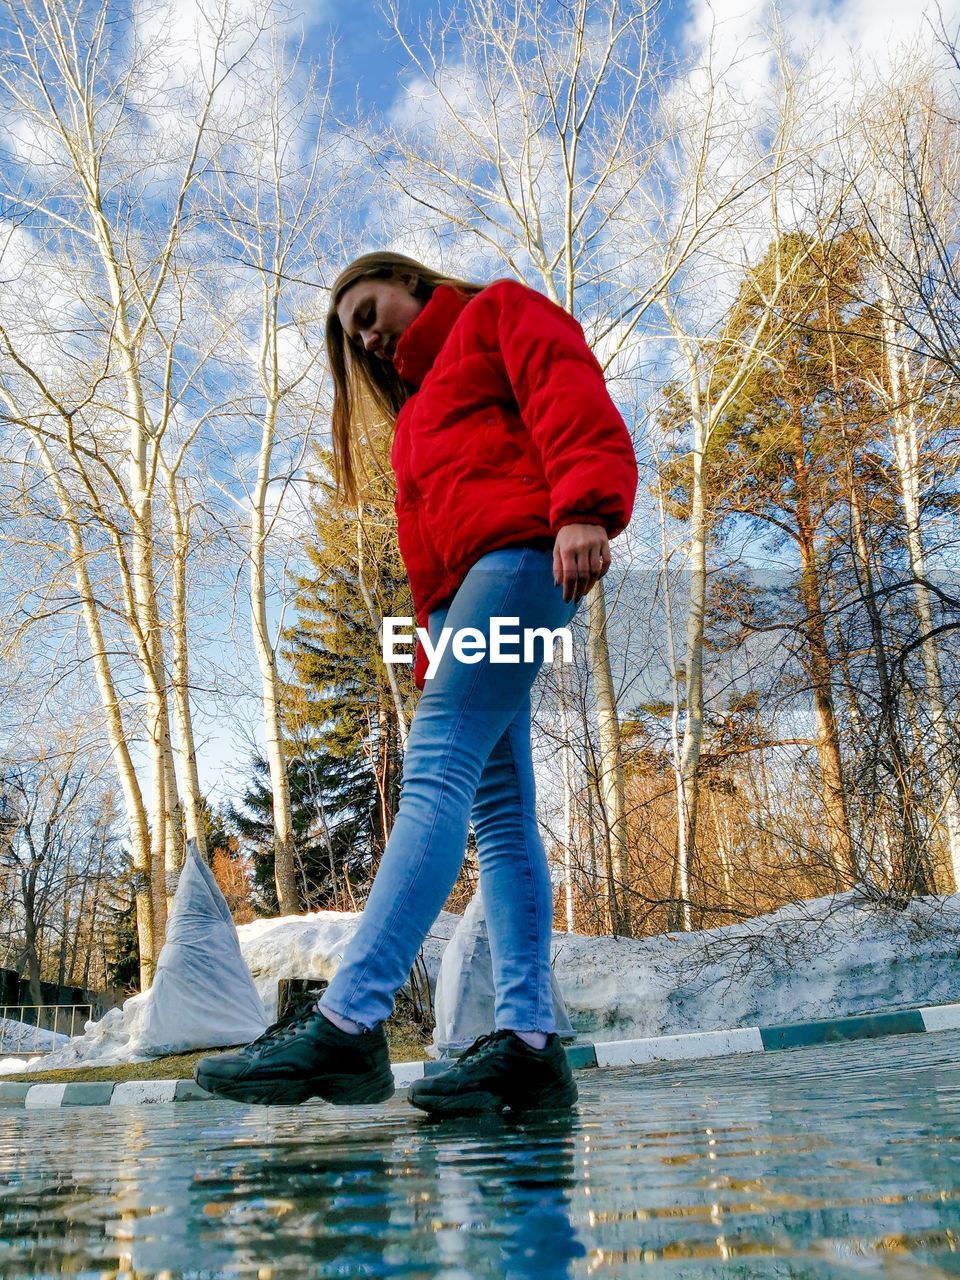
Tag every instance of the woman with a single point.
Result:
(514, 469)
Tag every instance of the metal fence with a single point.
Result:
(25, 1029)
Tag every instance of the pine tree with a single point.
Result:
(347, 720)
(331, 832)
(122, 954)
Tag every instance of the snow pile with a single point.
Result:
(10, 1066)
(24, 1037)
(312, 946)
(115, 1038)
(827, 958)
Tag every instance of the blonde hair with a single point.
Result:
(360, 381)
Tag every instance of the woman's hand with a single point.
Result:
(581, 555)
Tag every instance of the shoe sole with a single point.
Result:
(341, 1090)
(480, 1101)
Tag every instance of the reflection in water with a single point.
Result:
(821, 1164)
(524, 1170)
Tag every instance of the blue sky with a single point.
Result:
(371, 59)
(369, 56)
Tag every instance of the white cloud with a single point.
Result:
(852, 43)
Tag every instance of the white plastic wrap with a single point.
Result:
(202, 995)
(465, 1001)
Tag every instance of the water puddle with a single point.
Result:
(837, 1161)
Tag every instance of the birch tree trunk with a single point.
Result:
(283, 849)
(167, 834)
(678, 912)
(708, 403)
(911, 871)
(610, 780)
(567, 770)
(180, 642)
(906, 455)
(272, 225)
(704, 207)
(689, 790)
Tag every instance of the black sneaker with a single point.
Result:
(302, 1056)
(500, 1070)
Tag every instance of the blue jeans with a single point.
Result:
(468, 758)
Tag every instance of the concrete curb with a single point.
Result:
(584, 1056)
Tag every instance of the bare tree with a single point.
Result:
(55, 849)
(275, 215)
(905, 162)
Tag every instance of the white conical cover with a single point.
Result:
(465, 1001)
(202, 995)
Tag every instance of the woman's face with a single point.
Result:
(375, 312)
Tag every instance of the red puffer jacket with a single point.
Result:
(510, 435)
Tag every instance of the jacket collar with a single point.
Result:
(421, 341)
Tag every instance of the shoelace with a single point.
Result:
(287, 1026)
(484, 1044)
